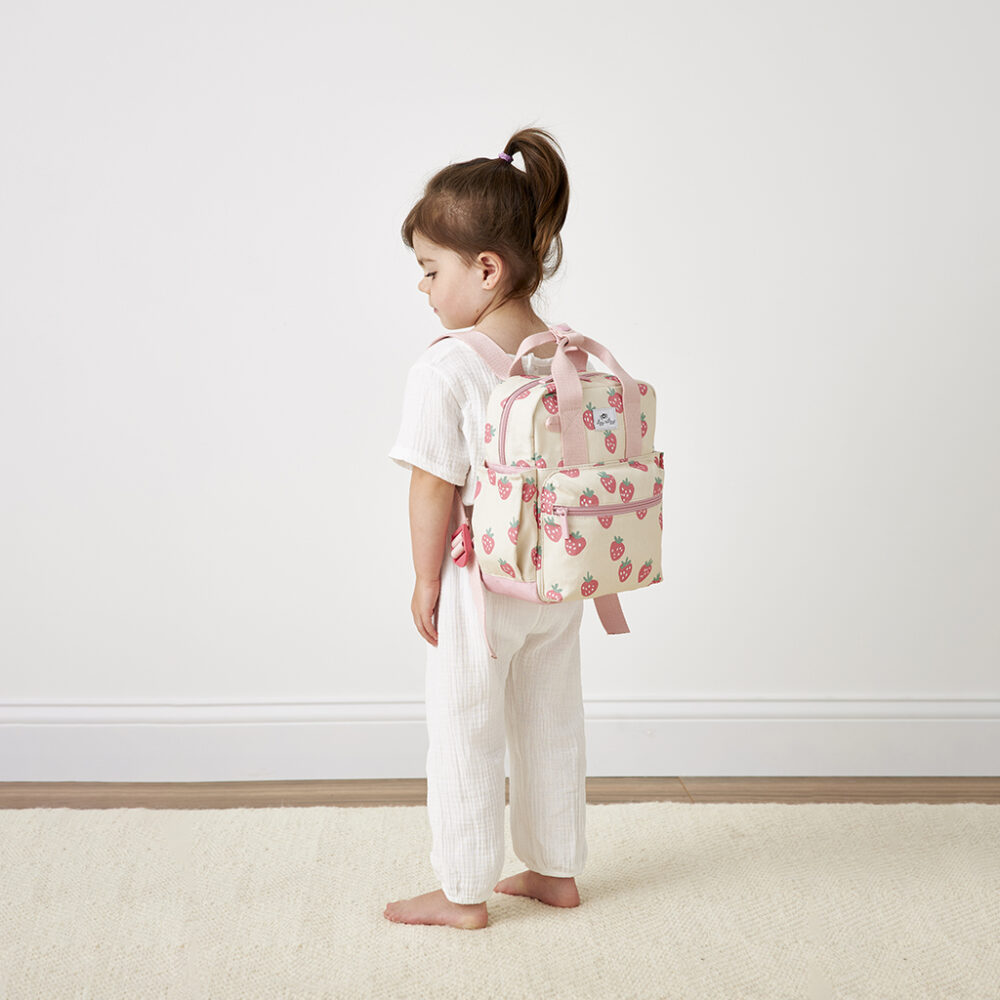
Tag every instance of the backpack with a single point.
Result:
(568, 501)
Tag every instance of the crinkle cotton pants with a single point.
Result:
(531, 694)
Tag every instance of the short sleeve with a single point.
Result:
(430, 431)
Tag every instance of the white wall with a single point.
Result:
(784, 215)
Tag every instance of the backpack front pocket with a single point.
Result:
(601, 528)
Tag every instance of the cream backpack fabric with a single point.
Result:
(568, 502)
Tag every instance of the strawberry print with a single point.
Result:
(661, 524)
(610, 441)
(524, 394)
(489, 433)
(642, 513)
(588, 498)
(643, 388)
(572, 473)
(555, 594)
(644, 425)
(550, 402)
(536, 557)
(608, 482)
(523, 464)
(588, 417)
(548, 496)
(488, 541)
(647, 568)
(506, 567)
(639, 465)
(539, 461)
(575, 544)
(626, 491)
(527, 491)
(504, 487)
(512, 530)
(479, 486)
(657, 487)
(492, 473)
(658, 459)
(615, 399)
(604, 520)
(552, 529)
(625, 570)
(589, 586)
(617, 548)
(657, 579)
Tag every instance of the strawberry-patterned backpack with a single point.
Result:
(568, 502)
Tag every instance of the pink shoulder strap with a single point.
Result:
(487, 349)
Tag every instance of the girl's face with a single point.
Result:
(458, 292)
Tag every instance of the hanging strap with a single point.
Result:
(609, 610)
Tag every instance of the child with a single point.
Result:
(483, 234)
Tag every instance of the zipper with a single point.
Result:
(510, 470)
(502, 433)
(613, 510)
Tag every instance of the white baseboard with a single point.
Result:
(317, 740)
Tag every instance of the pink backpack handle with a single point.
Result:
(570, 346)
(575, 351)
(497, 359)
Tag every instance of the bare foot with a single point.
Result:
(546, 888)
(437, 908)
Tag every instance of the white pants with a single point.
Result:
(532, 694)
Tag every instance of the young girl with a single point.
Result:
(484, 234)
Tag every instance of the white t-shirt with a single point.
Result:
(443, 424)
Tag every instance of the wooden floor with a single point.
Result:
(413, 791)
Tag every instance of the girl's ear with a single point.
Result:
(491, 267)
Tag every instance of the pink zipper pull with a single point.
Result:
(563, 514)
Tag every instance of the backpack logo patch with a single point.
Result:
(605, 420)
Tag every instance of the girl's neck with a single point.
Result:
(511, 323)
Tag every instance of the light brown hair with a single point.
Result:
(488, 204)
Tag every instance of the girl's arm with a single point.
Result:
(431, 502)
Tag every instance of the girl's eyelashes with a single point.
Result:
(429, 274)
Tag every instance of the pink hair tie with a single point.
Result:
(504, 156)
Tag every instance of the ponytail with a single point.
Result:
(549, 183)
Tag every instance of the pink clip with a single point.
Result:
(461, 545)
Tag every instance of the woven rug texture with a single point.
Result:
(693, 902)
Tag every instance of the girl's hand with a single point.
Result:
(424, 608)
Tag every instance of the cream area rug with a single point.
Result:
(693, 902)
